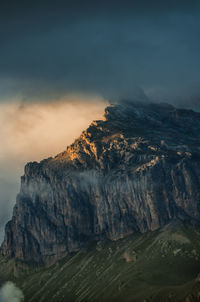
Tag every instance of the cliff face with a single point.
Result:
(134, 171)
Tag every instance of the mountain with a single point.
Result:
(134, 171)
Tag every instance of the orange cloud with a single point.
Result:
(33, 131)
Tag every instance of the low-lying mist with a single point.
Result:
(9, 292)
(33, 131)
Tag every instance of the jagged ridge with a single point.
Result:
(134, 171)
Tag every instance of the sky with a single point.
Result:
(61, 62)
(52, 48)
(33, 131)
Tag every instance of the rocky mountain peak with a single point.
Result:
(133, 171)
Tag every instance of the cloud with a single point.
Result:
(41, 129)
(10, 293)
(34, 131)
(100, 47)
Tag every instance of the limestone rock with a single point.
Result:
(135, 170)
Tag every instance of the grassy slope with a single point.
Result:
(158, 266)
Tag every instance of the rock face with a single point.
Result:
(134, 171)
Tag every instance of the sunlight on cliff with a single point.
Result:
(31, 131)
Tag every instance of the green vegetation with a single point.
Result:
(156, 266)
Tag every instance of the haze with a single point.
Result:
(34, 131)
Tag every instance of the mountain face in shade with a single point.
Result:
(133, 171)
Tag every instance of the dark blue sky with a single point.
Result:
(109, 48)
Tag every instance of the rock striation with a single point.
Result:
(133, 171)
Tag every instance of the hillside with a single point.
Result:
(159, 266)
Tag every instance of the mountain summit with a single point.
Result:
(133, 171)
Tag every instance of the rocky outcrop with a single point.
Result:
(134, 171)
